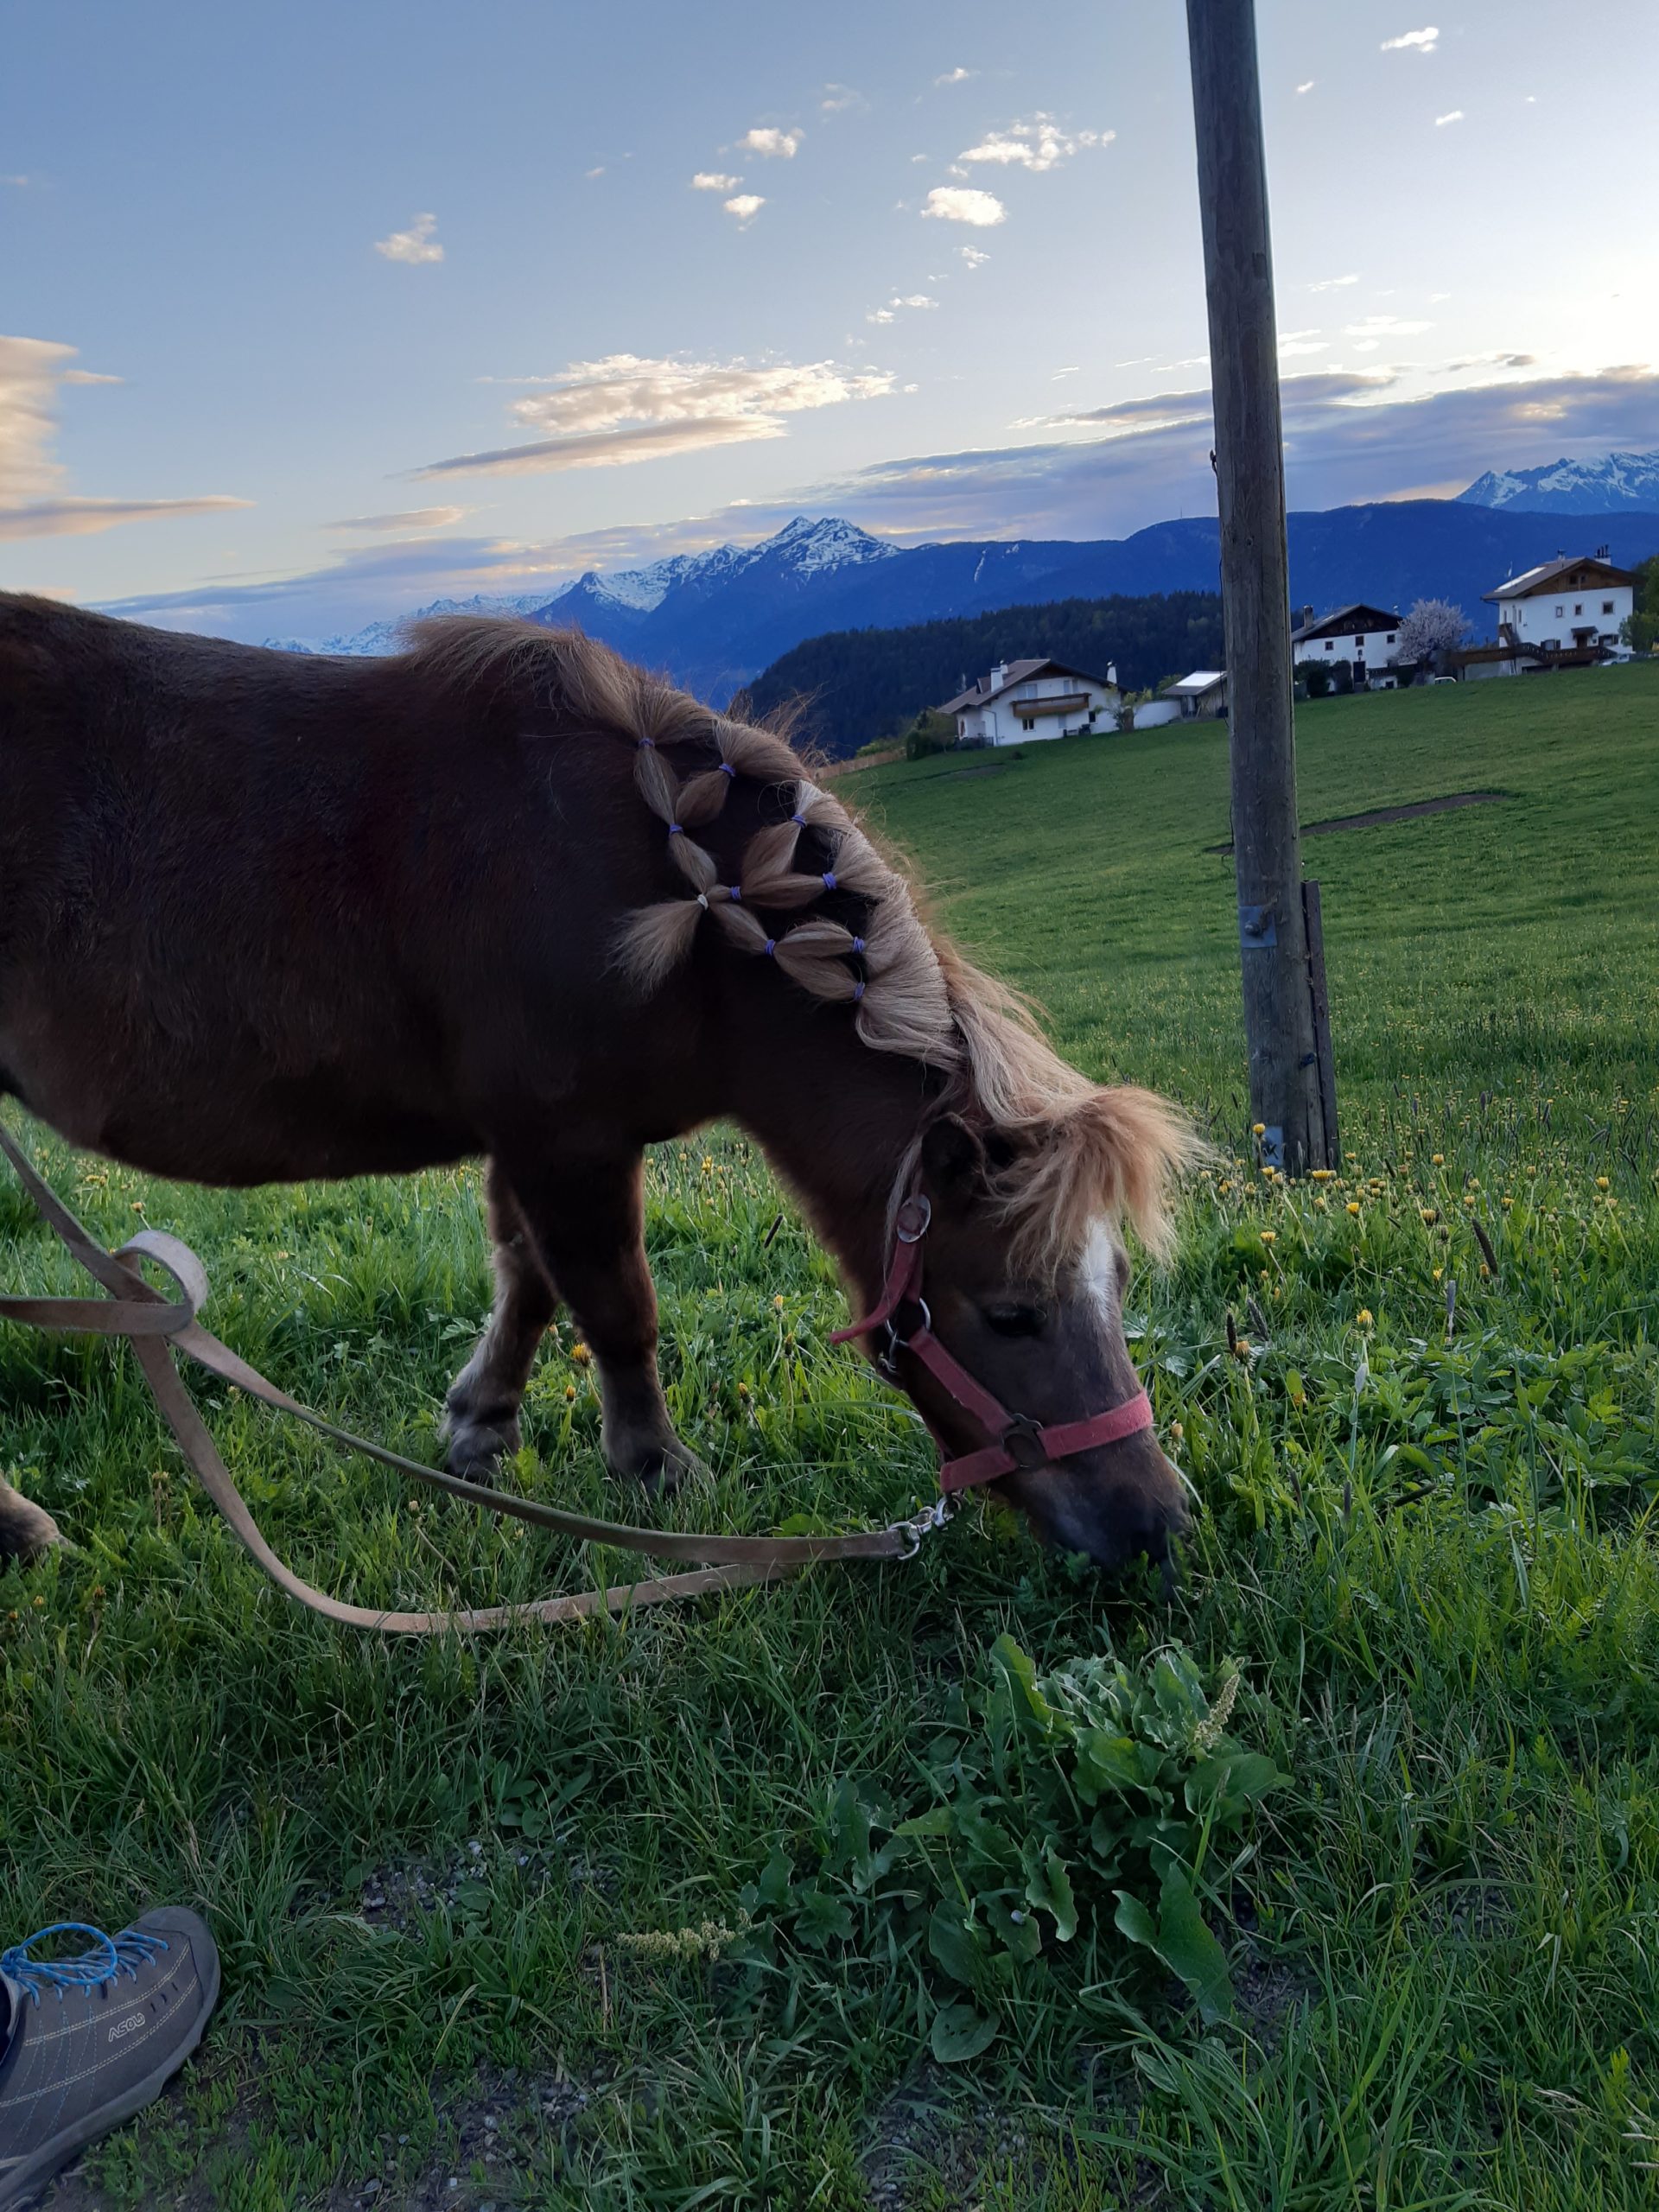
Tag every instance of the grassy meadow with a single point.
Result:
(1333, 1881)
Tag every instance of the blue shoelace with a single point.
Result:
(115, 1955)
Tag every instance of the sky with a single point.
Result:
(310, 315)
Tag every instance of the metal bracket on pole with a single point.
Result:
(1258, 928)
(1270, 1146)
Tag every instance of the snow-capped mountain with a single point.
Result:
(802, 548)
(386, 637)
(1573, 488)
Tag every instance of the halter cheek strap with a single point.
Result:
(1016, 1439)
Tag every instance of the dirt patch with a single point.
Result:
(1380, 815)
(956, 775)
(931, 2144)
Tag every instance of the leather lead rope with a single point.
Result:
(157, 1327)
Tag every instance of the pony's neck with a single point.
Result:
(836, 1120)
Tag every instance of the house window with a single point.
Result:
(1329, 645)
(1560, 609)
(1578, 607)
(1390, 638)
(1028, 722)
(1606, 605)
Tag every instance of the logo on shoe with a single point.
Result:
(126, 2027)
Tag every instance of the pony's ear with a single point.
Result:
(953, 1160)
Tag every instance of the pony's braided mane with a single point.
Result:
(1081, 1152)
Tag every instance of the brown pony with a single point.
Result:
(266, 916)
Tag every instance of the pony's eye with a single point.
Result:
(1016, 1320)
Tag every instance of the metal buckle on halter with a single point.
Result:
(910, 1223)
(896, 1343)
(1022, 1439)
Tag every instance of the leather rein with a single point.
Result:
(158, 1327)
(1016, 1441)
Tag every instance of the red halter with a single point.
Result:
(1019, 1440)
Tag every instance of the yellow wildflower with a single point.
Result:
(1601, 1183)
(1353, 1205)
(581, 1354)
(1258, 1128)
(1365, 1318)
(1269, 1236)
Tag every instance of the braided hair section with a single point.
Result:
(891, 973)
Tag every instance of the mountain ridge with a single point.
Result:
(1605, 486)
(715, 621)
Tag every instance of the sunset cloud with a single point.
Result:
(625, 408)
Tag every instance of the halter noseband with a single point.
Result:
(1019, 1441)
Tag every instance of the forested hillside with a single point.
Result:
(861, 684)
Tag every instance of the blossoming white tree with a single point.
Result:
(1432, 627)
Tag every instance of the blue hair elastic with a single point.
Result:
(727, 769)
(771, 945)
(829, 881)
(858, 993)
(858, 944)
(734, 891)
(676, 829)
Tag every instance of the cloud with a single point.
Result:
(21, 183)
(598, 170)
(974, 255)
(89, 376)
(897, 302)
(1332, 283)
(746, 207)
(961, 203)
(1385, 325)
(32, 501)
(957, 76)
(1349, 435)
(771, 144)
(1423, 41)
(1306, 87)
(414, 245)
(1492, 361)
(408, 519)
(835, 99)
(1037, 144)
(600, 414)
(73, 518)
(1454, 115)
(714, 181)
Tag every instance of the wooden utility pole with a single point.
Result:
(1279, 1021)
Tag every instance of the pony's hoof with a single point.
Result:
(27, 1530)
(659, 1467)
(476, 1448)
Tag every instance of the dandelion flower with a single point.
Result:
(1601, 1183)
(1430, 1214)
(1353, 1205)
(1269, 1236)
(581, 1354)
(1365, 1318)
(569, 1392)
(778, 1301)
(1439, 1160)
(1258, 1128)
(1438, 1273)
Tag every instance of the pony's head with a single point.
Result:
(1023, 1278)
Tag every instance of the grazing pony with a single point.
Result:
(268, 915)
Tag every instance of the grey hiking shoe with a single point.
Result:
(86, 2042)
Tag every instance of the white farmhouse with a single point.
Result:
(1369, 637)
(1024, 699)
(1565, 605)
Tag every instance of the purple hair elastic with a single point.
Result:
(858, 944)
(647, 743)
(858, 993)
(829, 881)
(771, 945)
(799, 820)
(734, 891)
(676, 829)
(727, 769)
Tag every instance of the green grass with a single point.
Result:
(1430, 1560)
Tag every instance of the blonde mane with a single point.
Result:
(1079, 1153)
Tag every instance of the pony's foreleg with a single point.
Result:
(482, 1407)
(26, 1530)
(586, 1214)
